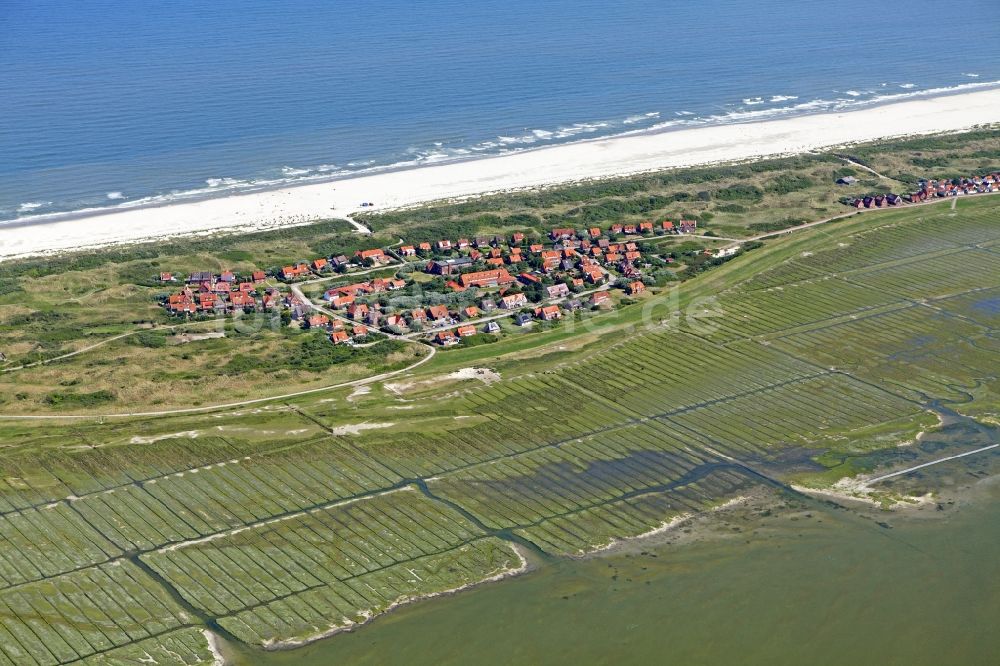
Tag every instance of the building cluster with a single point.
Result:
(930, 189)
(956, 187)
(223, 293)
(527, 279)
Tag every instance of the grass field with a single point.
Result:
(122, 539)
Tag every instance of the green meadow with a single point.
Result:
(823, 354)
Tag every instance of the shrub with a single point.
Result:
(79, 399)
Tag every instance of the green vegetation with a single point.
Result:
(814, 356)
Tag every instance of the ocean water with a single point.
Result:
(109, 103)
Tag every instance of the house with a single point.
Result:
(466, 331)
(513, 301)
(636, 287)
(408, 251)
(575, 304)
(258, 276)
(593, 275)
(200, 277)
(339, 337)
(396, 321)
(443, 245)
(557, 290)
(272, 299)
(359, 331)
(241, 300)
(491, 327)
(446, 338)
(595, 232)
(439, 313)
(371, 257)
(600, 299)
(181, 304)
(339, 260)
(522, 319)
(616, 228)
(470, 312)
(320, 264)
(487, 305)
(516, 238)
(292, 272)
(424, 247)
(318, 321)
(357, 311)
(494, 278)
(847, 180)
(341, 301)
(207, 301)
(645, 226)
(688, 226)
(418, 315)
(667, 225)
(529, 279)
(562, 234)
(448, 266)
(548, 313)
(167, 277)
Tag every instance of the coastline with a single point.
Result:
(545, 166)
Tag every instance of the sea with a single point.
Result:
(124, 103)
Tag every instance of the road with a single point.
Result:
(229, 405)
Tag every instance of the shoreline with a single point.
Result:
(523, 566)
(585, 160)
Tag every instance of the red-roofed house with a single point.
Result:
(513, 301)
(339, 337)
(636, 287)
(466, 331)
(548, 313)
(372, 257)
(438, 313)
(486, 279)
(446, 338)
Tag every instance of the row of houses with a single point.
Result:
(373, 257)
(956, 187)
(517, 239)
(547, 313)
(878, 201)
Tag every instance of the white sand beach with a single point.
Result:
(531, 168)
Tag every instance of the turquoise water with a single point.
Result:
(109, 103)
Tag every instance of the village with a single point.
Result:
(927, 190)
(448, 291)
